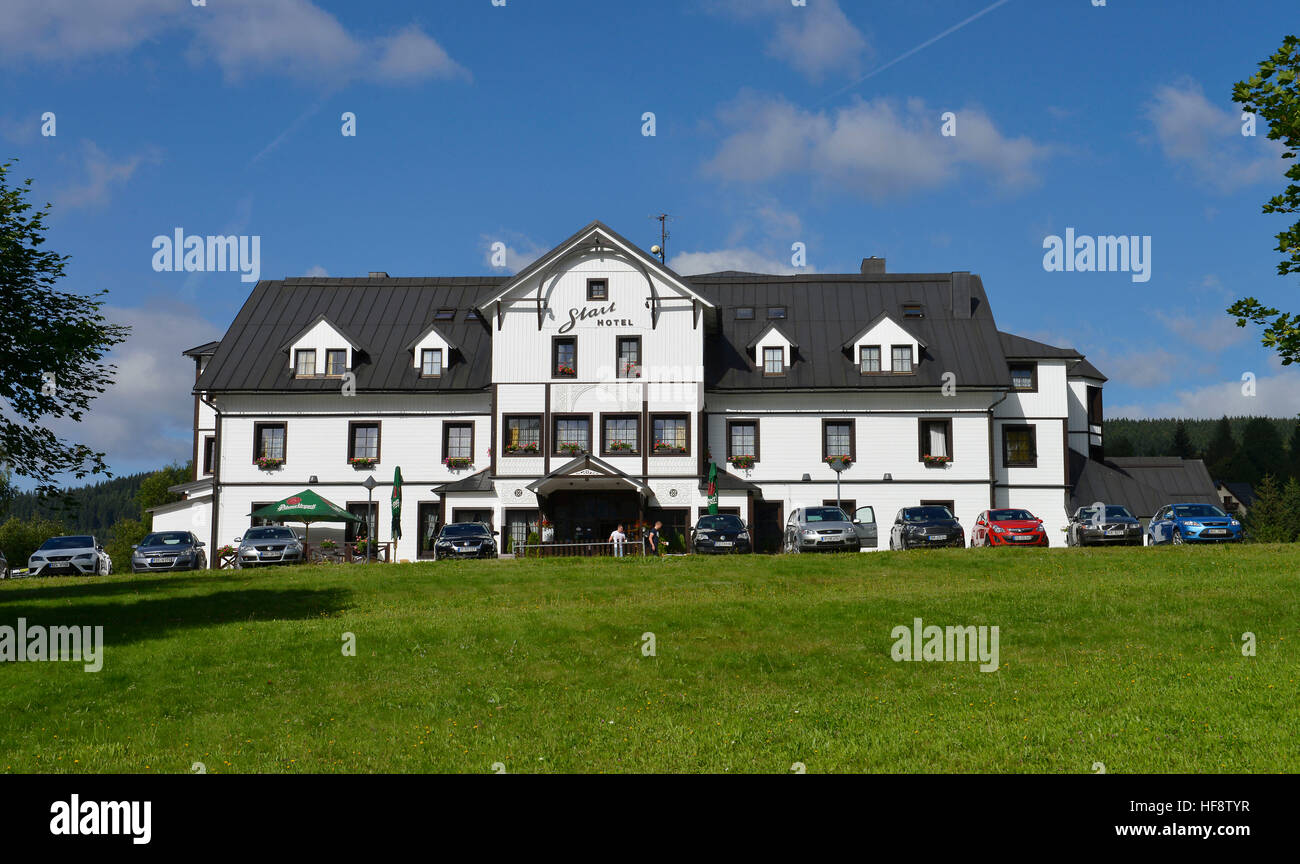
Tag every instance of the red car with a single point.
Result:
(1008, 528)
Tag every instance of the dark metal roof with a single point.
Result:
(1018, 347)
(201, 350)
(825, 311)
(1243, 492)
(477, 482)
(382, 315)
(1084, 369)
(1143, 484)
(762, 334)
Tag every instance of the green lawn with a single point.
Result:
(1129, 657)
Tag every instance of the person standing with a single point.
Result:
(618, 538)
(655, 539)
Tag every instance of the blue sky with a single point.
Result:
(775, 124)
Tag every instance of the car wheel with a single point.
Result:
(1178, 538)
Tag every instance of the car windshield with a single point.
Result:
(464, 530)
(166, 538)
(824, 514)
(1197, 510)
(925, 514)
(269, 533)
(80, 542)
(1010, 515)
(720, 523)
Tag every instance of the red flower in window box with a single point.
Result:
(935, 461)
(363, 463)
(742, 461)
(565, 369)
(846, 461)
(269, 463)
(458, 462)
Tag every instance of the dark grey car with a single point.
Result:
(168, 550)
(465, 540)
(820, 529)
(1090, 526)
(929, 525)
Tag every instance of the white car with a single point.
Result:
(76, 555)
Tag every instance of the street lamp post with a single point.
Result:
(370, 485)
(838, 466)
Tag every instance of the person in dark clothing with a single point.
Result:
(655, 539)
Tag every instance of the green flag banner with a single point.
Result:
(397, 503)
(713, 487)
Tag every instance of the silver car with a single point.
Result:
(820, 529)
(168, 550)
(269, 544)
(77, 555)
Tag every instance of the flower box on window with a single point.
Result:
(573, 449)
(363, 463)
(522, 448)
(846, 461)
(665, 447)
(621, 447)
(458, 462)
(269, 463)
(935, 461)
(566, 369)
(631, 370)
(742, 461)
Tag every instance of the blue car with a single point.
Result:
(1192, 523)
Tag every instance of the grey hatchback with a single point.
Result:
(820, 529)
(168, 550)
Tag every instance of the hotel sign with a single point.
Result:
(600, 316)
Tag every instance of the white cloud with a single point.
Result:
(317, 270)
(294, 38)
(520, 251)
(876, 149)
(1207, 141)
(1212, 332)
(1276, 395)
(742, 259)
(145, 418)
(1141, 367)
(102, 174)
(815, 39)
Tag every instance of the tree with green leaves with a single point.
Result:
(1293, 452)
(1182, 444)
(1273, 94)
(1262, 448)
(1221, 449)
(154, 492)
(52, 364)
(1268, 521)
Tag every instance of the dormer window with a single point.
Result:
(1024, 376)
(597, 289)
(304, 362)
(336, 361)
(869, 359)
(774, 361)
(431, 363)
(901, 358)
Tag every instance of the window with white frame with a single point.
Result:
(902, 358)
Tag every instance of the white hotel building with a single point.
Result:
(595, 385)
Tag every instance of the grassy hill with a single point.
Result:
(1129, 657)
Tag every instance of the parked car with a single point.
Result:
(926, 526)
(864, 523)
(4, 565)
(1089, 526)
(1192, 523)
(76, 555)
(1008, 527)
(268, 544)
(168, 550)
(465, 540)
(820, 529)
(720, 533)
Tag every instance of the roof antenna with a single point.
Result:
(663, 219)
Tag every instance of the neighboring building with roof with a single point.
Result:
(595, 385)
(1235, 498)
(1143, 484)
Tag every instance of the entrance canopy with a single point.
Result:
(587, 473)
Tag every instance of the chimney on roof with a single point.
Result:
(961, 294)
(873, 265)
(378, 274)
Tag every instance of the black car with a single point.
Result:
(721, 533)
(168, 550)
(465, 540)
(1103, 525)
(929, 525)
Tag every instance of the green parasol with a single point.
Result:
(397, 503)
(305, 507)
